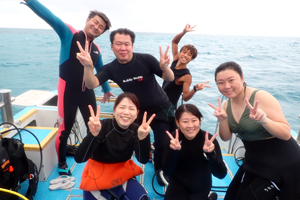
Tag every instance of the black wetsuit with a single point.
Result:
(171, 88)
(138, 77)
(189, 170)
(114, 145)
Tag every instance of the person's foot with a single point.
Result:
(63, 169)
(213, 196)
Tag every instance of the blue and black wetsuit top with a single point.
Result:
(72, 93)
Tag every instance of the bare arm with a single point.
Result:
(177, 39)
(91, 81)
(187, 94)
(269, 112)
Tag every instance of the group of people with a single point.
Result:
(188, 155)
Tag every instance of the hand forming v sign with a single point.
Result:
(164, 58)
(209, 145)
(200, 86)
(219, 111)
(94, 123)
(255, 113)
(174, 142)
(84, 56)
(188, 28)
(145, 128)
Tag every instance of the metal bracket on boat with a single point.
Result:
(18, 123)
(6, 107)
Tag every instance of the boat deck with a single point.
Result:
(75, 193)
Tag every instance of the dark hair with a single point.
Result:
(122, 31)
(190, 108)
(130, 96)
(233, 66)
(190, 48)
(101, 15)
(229, 65)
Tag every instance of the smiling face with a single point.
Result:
(94, 27)
(230, 83)
(185, 56)
(122, 47)
(125, 113)
(189, 125)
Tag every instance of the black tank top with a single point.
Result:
(171, 88)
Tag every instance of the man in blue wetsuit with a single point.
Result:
(135, 73)
(72, 93)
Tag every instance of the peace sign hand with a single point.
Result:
(144, 128)
(164, 59)
(84, 57)
(174, 142)
(200, 86)
(219, 111)
(188, 28)
(255, 113)
(94, 121)
(209, 146)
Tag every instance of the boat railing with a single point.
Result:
(298, 137)
(6, 107)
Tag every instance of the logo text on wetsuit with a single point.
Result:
(117, 181)
(138, 78)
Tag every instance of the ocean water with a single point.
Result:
(29, 60)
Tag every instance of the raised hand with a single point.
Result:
(94, 121)
(188, 28)
(200, 86)
(145, 128)
(84, 56)
(209, 145)
(106, 97)
(164, 59)
(219, 111)
(174, 142)
(255, 113)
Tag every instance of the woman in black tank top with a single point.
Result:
(182, 77)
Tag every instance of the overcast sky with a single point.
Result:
(217, 17)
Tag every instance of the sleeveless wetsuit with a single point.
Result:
(113, 145)
(72, 93)
(171, 88)
(138, 77)
(273, 159)
(189, 171)
(247, 128)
